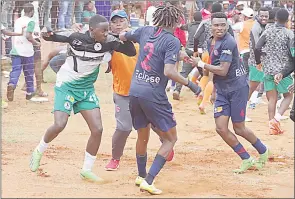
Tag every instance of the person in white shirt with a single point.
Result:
(22, 53)
(37, 52)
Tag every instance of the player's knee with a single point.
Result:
(60, 125)
(97, 131)
(221, 131)
(239, 130)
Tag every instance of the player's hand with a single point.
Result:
(184, 56)
(77, 27)
(194, 87)
(291, 88)
(195, 61)
(122, 36)
(195, 54)
(278, 78)
(259, 67)
(126, 30)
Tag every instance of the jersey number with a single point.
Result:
(149, 47)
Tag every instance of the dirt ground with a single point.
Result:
(202, 166)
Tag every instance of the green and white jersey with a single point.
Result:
(68, 79)
(21, 45)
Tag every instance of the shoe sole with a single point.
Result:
(110, 169)
(10, 93)
(143, 190)
(92, 181)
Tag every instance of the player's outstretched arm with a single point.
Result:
(126, 48)
(48, 35)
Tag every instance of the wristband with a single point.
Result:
(201, 64)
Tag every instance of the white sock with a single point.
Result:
(88, 161)
(253, 98)
(278, 117)
(42, 145)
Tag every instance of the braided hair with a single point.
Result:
(167, 16)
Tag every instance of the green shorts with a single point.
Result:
(255, 75)
(66, 101)
(282, 87)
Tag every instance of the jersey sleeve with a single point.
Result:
(172, 51)
(134, 35)
(227, 48)
(31, 26)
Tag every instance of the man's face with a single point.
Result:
(100, 33)
(31, 13)
(263, 17)
(219, 27)
(118, 24)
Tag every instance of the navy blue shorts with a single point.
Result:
(144, 112)
(232, 104)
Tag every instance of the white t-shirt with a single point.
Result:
(21, 46)
(35, 18)
(149, 14)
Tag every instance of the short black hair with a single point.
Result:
(198, 16)
(216, 7)
(282, 15)
(95, 20)
(219, 15)
(208, 3)
(263, 9)
(28, 7)
(272, 13)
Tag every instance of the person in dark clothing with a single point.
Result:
(191, 28)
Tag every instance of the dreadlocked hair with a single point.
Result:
(167, 16)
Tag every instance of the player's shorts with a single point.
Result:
(144, 112)
(255, 75)
(66, 101)
(232, 104)
(282, 87)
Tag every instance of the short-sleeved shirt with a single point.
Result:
(21, 45)
(87, 14)
(226, 50)
(157, 48)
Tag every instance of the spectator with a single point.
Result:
(206, 11)
(45, 6)
(65, 14)
(22, 54)
(88, 12)
(79, 7)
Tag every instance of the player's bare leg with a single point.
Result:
(60, 122)
(168, 141)
(93, 120)
(222, 129)
(143, 136)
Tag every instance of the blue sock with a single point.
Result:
(141, 165)
(261, 148)
(239, 149)
(155, 168)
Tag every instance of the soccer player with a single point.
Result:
(230, 81)
(22, 54)
(286, 72)
(149, 104)
(74, 89)
(275, 44)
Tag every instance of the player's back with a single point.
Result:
(156, 46)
